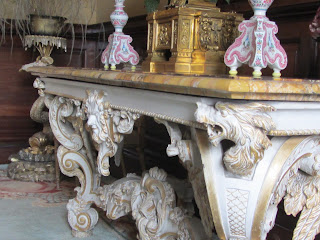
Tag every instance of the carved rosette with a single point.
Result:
(299, 185)
(108, 126)
(244, 124)
(152, 203)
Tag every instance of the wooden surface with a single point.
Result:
(16, 98)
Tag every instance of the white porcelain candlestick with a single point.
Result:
(119, 48)
(257, 46)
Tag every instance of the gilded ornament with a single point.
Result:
(210, 33)
(152, 203)
(185, 34)
(190, 31)
(164, 35)
(297, 182)
(244, 124)
(107, 126)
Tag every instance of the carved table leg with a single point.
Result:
(81, 217)
(75, 159)
(247, 182)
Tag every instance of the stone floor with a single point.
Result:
(37, 211)
(21, 220)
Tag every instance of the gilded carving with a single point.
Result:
(81, 217)
(299, 185)
(210, 33)
(164, 35)
(244, 124)
(237, 203)
(108, 126)
(40, 154)
(185, 34)
(229, 32)
(150, 39)
(152, 203)
(175, 32)
(217, 34)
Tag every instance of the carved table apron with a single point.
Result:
(275, 153)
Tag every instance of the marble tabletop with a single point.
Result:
(239, 87)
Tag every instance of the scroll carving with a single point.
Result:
(246, 125)
(299, 185)
(60, 109)
(81, 217)
(108, 126)
(152, 203)
(184, 150)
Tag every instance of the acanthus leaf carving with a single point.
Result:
(60, 109)
(244, 124)
(108, 126)
(299, 185)
(152, 203)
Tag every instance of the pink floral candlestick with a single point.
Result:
(257, 46)
(119, 49)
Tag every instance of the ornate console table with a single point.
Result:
(275, 152)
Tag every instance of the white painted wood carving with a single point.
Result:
(244, 124)
(152, 203)
(237, 189)
(108, 126)
(150, 199)
(299, 184)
